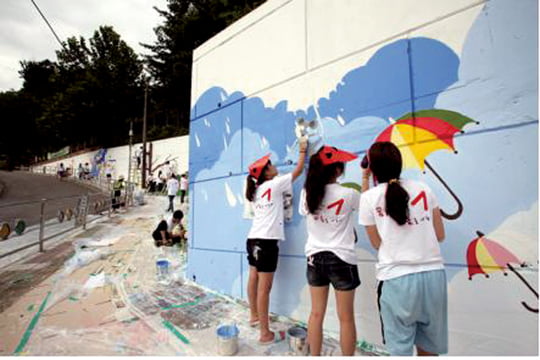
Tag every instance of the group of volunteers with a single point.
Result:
(403, 223)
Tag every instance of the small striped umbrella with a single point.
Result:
(485, 256)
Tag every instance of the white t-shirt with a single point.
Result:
(406, 249)
(184, 183)
(332, 228)
(172, 186)
(170, 224)
(268, 208)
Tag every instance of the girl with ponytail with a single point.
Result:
(328, 208)
(403, 222)
(264, 189)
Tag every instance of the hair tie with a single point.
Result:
(392, 181)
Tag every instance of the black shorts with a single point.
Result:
(263, 254)
(325, 267)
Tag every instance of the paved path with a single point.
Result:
(105, 300)
(20, 186)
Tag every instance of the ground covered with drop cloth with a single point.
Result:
(97, 293)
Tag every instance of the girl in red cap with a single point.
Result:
(265, 190)
(328, 208)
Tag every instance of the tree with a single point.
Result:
(187, 24)
(102, 89)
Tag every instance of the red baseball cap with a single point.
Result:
(256, 168)
(330, 155)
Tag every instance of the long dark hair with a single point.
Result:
(252, 183)
(385, 163)
(318, 176)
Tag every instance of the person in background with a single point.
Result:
(170, 231)
(138, 156)
(108, 172)
(330, 246)
(151, 183)
(80, 171)
(167, 169)
(160, 182)
(117, 192)
(172, 189)
(183, 187)
(265, 190)
(86, 171)
(61, 171)
(403, 222)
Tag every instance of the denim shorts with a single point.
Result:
(325, 267)
(263, 254)
(414, 311)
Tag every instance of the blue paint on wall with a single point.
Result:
(494, 83)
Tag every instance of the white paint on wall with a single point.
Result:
(231, 199)
(311, 42)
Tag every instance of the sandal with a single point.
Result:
(278, 336)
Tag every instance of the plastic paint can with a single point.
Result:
(227, 338)
(297, 340)
(162, 269)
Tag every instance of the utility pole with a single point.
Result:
(143, 174)
(130, 147)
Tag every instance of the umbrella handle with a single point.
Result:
(529, 308)
(522, 279)
(459, 210)
(528, 285)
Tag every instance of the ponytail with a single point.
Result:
(385, 162)
(253, 183)
(397, 202)
(318, 176)
(250, 187)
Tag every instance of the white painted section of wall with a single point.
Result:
(309, 40)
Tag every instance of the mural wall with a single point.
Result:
(116, 160)
(453, 82)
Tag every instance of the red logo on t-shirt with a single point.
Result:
(422, 196)
(269, 193)
(339, 205)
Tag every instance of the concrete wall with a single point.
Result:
(175, 149)
(353, 67)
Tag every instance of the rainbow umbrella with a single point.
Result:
(420, 133)
(486, 256)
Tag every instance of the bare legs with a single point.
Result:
(347, 328)
(259, 286)
(319, 299)
(345, 309)
(253, 283)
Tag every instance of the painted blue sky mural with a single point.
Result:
(229, 131)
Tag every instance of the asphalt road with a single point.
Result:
(24, 187)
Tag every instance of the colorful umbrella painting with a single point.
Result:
(486, 256)
(420, 133)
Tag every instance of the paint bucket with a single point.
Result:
(297, 340)
(227, 337)
(162, 267)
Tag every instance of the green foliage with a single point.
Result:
(88, 97)
(187, 25)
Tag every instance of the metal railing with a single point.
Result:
(54, 214)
